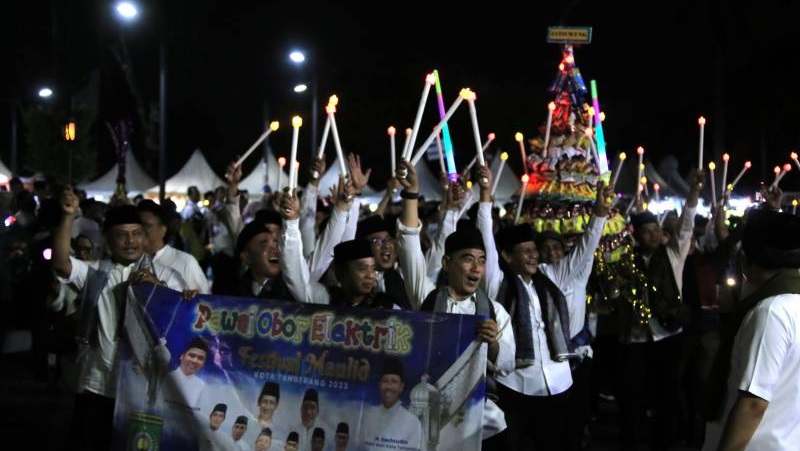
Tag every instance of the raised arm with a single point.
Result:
(293, 266)
(308, 211)
(409, 249)
(231, 215)
(454, 197)
(334, 230)
(565, 271)
(493, 276)
(63, 234)
(686, 228)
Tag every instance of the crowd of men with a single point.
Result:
(714, 364)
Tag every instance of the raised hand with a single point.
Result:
(234, 174)
(773, 196)
(290, 205)
(318, 167)
(69, 202)
(359, 177)
(344, 193)
(604, 199)
(407, 176)
(454, 196)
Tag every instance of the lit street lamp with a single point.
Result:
(45, 92)
(299, 58)
(128, 11)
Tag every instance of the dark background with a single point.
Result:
(659, 65)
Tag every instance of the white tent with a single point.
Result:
(254, 182)
(5, 173)
(136, 180)
(196, 172)
(509, 183)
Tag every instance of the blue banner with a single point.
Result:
(232, 373)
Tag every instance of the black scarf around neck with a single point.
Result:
(555, 315)
(782, 282)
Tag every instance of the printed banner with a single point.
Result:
(232, 373)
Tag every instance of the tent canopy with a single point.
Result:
(196, 172)
(136, 180)
(254, 182)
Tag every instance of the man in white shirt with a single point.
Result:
(309, 420)
(213, 438)
(464, 263)
(652, 338)
(237, 432)
(389, 425)
(761, 393)
(184, 378)
(100, 313)
(184, 263)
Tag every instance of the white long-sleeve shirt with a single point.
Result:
(185, 265)
(545, 377)
(295, 270)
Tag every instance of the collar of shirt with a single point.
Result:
(464, 306)
(257, 287)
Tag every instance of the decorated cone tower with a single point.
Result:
(564, 165)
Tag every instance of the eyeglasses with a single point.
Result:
(379, 241)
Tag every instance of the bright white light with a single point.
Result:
(47, 254)
(730, 281)
(45, 93)
(373, 207)
(127, 10)
(297, 56)
(300, 88)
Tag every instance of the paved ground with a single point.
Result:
(34, 411)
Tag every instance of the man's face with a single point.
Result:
(238, 431)
(262, 255)
(551, 251)
(216, 420)
(391, 387)
(308, 412)
(84, 249)
(154, 232)
(383, 249)
(317, 444)
(267, 405)
(341, 440)
(290, 446)
(360, 276)
(465, 269)
(192, 361)
(523, 259)
(263, 442)
(126, 242)
(649, 236)
(194, 194)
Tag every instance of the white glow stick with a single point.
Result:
(405, 144)
(392, 131)
(430, 79)
(473, 114)
(550, 108)
(711, 167)
(747, 166)
(324, 141)
(702, 122)
(297, 122)
(281, 164)
(518, 136)
(724, 185)
(621, 160)
(421, 150)
(272, 127)
(525, 179)
(503, 158)
(485, 146)
(331, 109)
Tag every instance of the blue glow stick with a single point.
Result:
(452, 173)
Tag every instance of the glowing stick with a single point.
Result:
(441, 153)
(794, 158)
(644, 187)
(452, 172)
(702, 122)
(794, 206)
(525, 179)
(596, 157)
(602, 160)
(640, 151)
(724, 184)
(297, 122)
(440, 126)
(293, 177)
(622, 157)
(711, 167)
(392, 132)
(322, 143)
(747, 166)
(470, 97)
(272, 127)
(405, 143)
(485, 146)
(331, 109)
(786, 168)
(518, 136)
(550, 108)
(281, 163)
(656, 191)
(503, 158)
(430, 79)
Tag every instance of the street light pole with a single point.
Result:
(162, 123)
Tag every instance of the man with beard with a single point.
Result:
(464, 263)
(353, 263)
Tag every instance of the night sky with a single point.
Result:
(658, 66)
